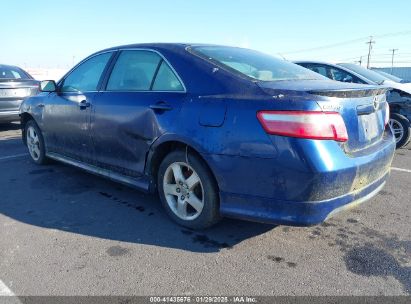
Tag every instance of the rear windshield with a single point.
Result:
(254, 64)
(12, 73)
(370, 75)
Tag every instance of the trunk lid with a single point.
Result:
(362, 107)
(13, 91)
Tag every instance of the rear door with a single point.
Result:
(142, 98)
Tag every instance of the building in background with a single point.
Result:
(46, 74)
(401, 72)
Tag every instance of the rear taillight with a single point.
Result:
(304, 124)
(387, 114)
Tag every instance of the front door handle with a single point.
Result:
(84, 104)
(161, 106)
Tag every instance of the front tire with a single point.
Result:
(35, 143)
(401, 128)
(188, 190)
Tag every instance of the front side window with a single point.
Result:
(86, 76)
(140, 70)
(253, 64)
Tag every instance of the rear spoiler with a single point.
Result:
(350, 93)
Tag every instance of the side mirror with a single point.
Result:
(48, 86)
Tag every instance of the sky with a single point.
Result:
(56, 34)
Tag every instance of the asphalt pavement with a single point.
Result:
(67, 232)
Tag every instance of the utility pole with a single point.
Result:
(360, 61)
(370, 43)
(392, 58)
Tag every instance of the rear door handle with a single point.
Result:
(161, 106)
(84, 104)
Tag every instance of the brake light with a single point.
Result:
(387, 114)
(304, 124)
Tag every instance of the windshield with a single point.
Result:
(371, 75)
(254, 64)
(389, 76)
(7, 72)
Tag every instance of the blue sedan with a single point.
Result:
(216, 131)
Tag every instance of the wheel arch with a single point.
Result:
(24, 118)
(162, 148)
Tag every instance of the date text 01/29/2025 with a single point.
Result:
(205, 299)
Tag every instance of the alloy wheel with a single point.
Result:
(183, 191)
(33, 143)
(397, 129)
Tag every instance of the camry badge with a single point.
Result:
(375, 103)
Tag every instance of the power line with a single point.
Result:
(347, 42)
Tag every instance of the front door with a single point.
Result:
(67, 112)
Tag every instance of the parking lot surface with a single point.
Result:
(67, 232)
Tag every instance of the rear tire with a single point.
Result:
(35, 143)
(188, 191)
(400, 126)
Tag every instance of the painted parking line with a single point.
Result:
(400, 169)
(5, 291)
(13, 156)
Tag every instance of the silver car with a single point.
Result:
(15, 85)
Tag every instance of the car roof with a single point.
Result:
(317, 62)
(162, 45)
(9, 66)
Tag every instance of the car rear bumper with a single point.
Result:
(294, 213)
(303, 184)
(9, 116)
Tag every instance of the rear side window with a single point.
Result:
(343, 76)
(87, 75)
(166, 80)
(133, 71)
(139, 70)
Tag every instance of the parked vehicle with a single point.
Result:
(377, 77)
(15, 85)
(391, 77)
(398, 97)
(217, 131)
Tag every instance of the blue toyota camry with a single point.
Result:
(216, 131)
